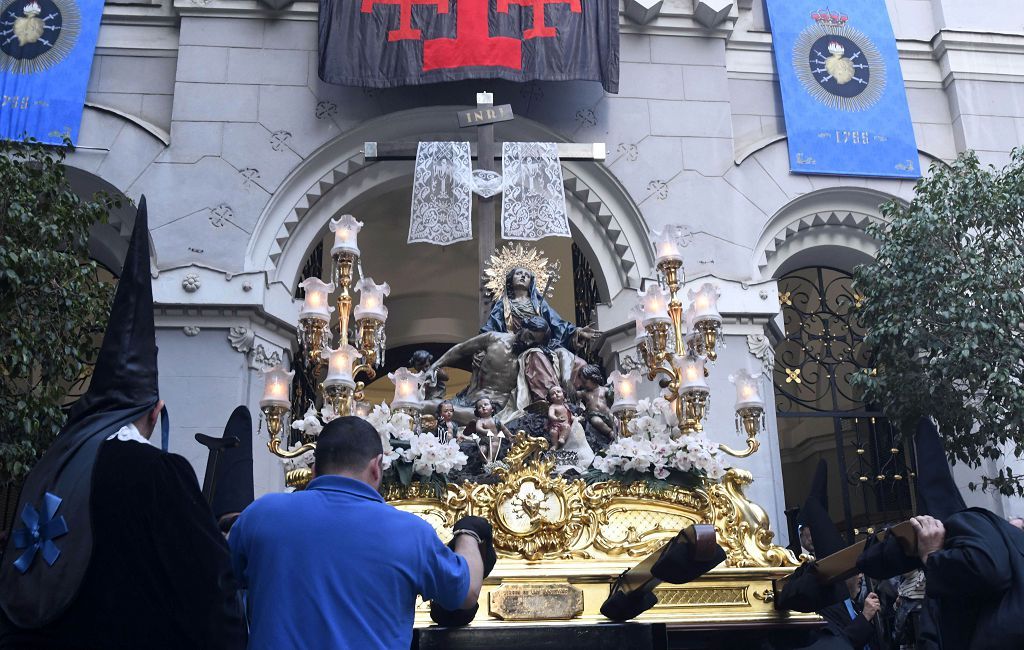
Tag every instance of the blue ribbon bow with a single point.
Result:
(39, 533)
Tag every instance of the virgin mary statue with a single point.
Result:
(550, 359)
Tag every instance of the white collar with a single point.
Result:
(128, 432)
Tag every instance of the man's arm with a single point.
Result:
(969, 559)
(469, 549)
(463, 350)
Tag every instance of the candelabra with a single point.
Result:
(676, 348)
(339, 367)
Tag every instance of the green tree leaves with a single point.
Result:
(52, 305)
(945, 311)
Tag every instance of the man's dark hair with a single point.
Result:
(532, 324)
(346, 444)
(420, 359)
(592, 372)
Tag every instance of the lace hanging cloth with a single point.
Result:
(533, 196)
(442, 194)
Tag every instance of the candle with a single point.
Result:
(655, 305)
(748, 390)
(691, 368)
(705, 303)
(339, 368)
(407, 388)
(371, 300)
(316, 304)
(625, 387)
(277, 387)
(346, 232)
(666, 245)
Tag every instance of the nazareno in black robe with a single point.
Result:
(159, 575)
(975, 584)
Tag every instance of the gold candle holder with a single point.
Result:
(316, 338)
(696, 402)
(706, 338)
(658, 336)
(340, 397)
(751, 419)
(625, 416)
(670, 269)
(274, 415)
(343, 262)
(370, 332)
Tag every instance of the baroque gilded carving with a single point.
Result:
(540, 517)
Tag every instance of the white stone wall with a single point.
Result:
(213, 110)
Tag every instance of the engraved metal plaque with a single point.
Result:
(532, 601)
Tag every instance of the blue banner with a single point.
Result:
(842, 89)
(46, 50)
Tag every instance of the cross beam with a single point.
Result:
(594, 151)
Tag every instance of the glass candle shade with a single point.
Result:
(625, 387)
(277, 387)
(339, 369)
(317, 302)
(705, 303)
(666, 245)
(371, 300)
(691, 370)
(748, 390)
(346, 233)
(407, 388)
(655, 304)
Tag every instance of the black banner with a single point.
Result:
(386, 43)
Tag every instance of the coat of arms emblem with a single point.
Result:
(36, 34)
(837, 64)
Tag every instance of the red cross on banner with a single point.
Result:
(405, 30)
(540, 29)
(384, 43)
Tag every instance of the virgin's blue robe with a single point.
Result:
(561, 331)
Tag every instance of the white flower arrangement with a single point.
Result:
(656, 446)
(403, 447)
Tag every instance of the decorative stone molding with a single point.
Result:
(711, 13)
(260, 359)
(241, 339)
(642, 12)
(191, 330)
(761, 347)
(190, 283)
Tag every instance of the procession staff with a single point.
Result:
(334, 566)
(114, 546)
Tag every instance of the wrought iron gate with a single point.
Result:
(818, 408)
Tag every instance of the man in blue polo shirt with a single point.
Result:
(334, 566)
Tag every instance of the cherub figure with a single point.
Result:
(559, 418)
(446, 427)
(488, 428)
(435, 382)
(596, 400)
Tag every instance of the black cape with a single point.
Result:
(159, 575)
(975, 584)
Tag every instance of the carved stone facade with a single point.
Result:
(213, 110)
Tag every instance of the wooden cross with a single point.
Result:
(485, 150)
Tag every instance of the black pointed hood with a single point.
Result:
(234, 484)
(125, 375)
(937, 492)
(39, 580)
(814, 514)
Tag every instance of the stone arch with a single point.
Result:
(824, 226)
(606, 222)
